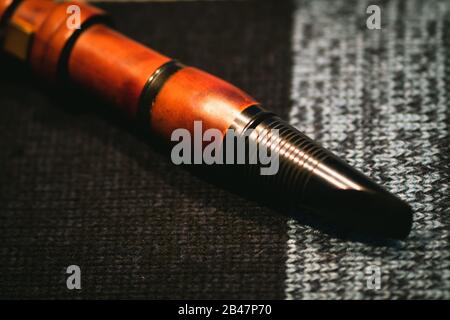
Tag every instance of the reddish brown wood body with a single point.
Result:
(193, 95)
(52, 36)
(117, 69)
(113, 66)
(33, 13)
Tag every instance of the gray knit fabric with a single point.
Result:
(378, 98)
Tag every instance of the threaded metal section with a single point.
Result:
(312, 178)
(298, 155)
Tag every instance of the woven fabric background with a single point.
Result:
(380, 99)
(78, 186)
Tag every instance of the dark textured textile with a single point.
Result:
(79, 189)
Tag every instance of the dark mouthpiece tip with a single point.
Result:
(311, 177)
(378, 214)
(398, 216)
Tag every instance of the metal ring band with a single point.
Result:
(151, 89)
(62, 68)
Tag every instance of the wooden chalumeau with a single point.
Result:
(164, 95)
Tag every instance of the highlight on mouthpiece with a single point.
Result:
(309, 176)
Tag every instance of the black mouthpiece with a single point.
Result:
(309, 176)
